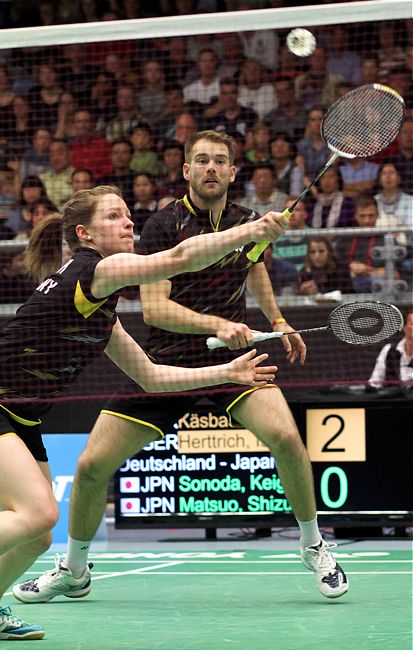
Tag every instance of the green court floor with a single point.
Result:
(224, 599)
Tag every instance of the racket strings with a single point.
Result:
(364, 121)
(365, 324)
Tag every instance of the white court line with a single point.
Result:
(135, 571)
(248, 573)
(229, 561)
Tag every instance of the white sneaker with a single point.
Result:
(56, 582)
(331, 579)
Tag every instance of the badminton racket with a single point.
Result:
(358, 125)
(357, 323)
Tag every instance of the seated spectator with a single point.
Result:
(282, 273)
(152, 96)
(185, 127)
(174, 107)
(127, 116)
(100, 102)
(15, 286)
(199, 42)
(45, 96)
(82, 179)
(10, 177)
(6, 99)
(289, 66)
(121, 175)
(316, 87)
(258, 144)
(35, 159)
(330, 208)
(65, 116)
(391, 54)
(290, 176)
(293, 248)
(39, 209)
(205, 89)
(322, 272)
(232, 56)
(394, 364)
(57, 181)
(403, 159)
(20, 219)
(7, 202)
(400, 79)
(177, 67)
(391, 201)
(369, 69)
(289, 117)
(254, 92)
(359, 176)
(120, 69)
(145, 203)
(266, 196)
(144, 157)
(21, 127)
(312, 150)
(76, 72)
(171, 181)
(88, 149)
(227, 114)
(242, 185)
(356, 251)
(341, 61)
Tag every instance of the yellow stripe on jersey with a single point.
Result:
(83, 305)
(28, 423)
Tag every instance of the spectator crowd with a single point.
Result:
(74, 116)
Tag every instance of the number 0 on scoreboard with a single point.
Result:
(336, 434)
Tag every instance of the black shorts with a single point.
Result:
(27, 427)
(161, 412)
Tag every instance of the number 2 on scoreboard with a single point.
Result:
(336, 434)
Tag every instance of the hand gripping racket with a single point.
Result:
(358, 323)
(358, 125)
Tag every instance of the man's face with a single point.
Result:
(172, 159)
(81, 181)
(229, 95)
(366, 217)
(209, 172)
(285, 92)
(41, 140)
(125, 99)
(59, 156)
(207, 64)
(121, 156)
(263, 181)
(83, 123)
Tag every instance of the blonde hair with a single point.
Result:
(211, 136)
(43, 255)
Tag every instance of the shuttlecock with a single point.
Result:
(301, 42)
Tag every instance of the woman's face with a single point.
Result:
(329, 181)
(389, 178)
(318, 254)
(111, 228)
(143, 188)
(31, 194)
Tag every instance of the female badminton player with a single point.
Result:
(67, 322)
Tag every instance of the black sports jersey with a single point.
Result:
(60, 329)
(217, 290)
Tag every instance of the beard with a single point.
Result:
(208, 194)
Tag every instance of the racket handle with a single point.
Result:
(255, 252)
(213, 342)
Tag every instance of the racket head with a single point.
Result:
(365, 323)
(364, 121)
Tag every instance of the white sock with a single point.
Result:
(310, 535)
(76, 556)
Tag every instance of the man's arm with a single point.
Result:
(260, 287)
(160, 311)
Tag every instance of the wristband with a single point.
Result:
(277, 321)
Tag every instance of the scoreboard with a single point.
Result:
(206, 474)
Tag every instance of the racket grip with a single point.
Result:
(214, 342)
(255, 252)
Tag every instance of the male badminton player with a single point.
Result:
(182, 312)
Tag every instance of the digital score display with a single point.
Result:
(206, 473)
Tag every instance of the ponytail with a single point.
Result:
(43, 255)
